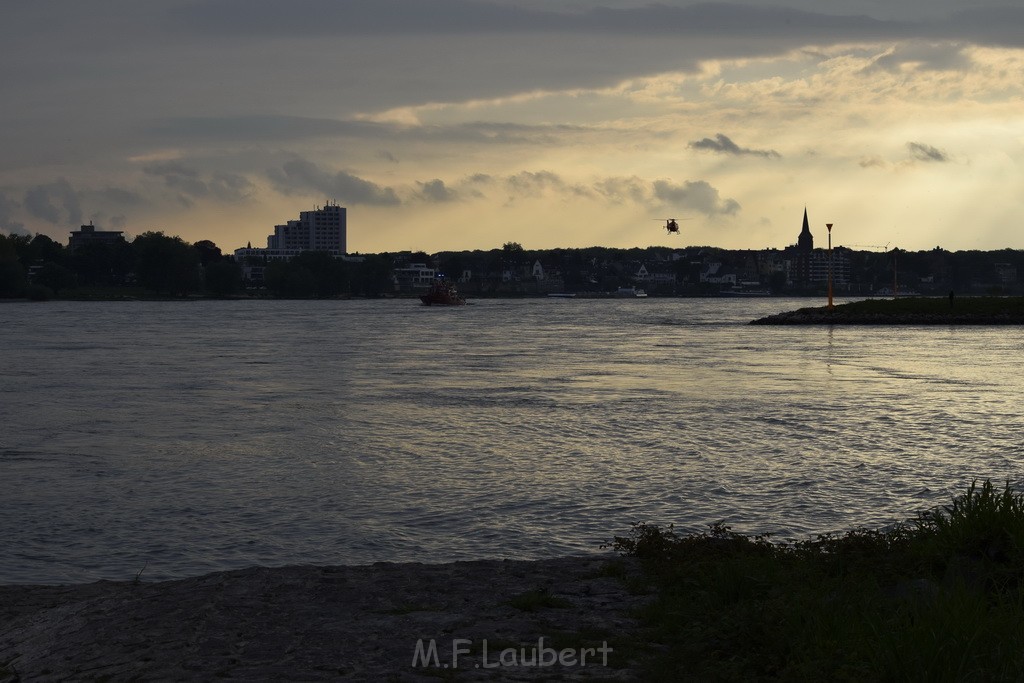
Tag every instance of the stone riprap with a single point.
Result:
(822, 316)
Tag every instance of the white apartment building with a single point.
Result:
(322, 229)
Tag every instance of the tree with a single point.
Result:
(373, 276)
(166, 264)
(42, 248)
(421, 257)
(289, 280)
(208, 252)
(223, 278)
(330, 275)
(12, 278)
(56, 277)
(103, 264)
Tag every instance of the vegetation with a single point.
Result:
(940, 597)
(915, 310)
(982, 305)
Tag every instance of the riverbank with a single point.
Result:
(330, 623)
(937, 598)
(908, 311)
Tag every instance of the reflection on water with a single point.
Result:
(208, 435)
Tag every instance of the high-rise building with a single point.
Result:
(322, 229)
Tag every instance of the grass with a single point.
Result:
(937, 598)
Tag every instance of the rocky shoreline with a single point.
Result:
(822, 316)
(489, 620)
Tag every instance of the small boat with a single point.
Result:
(442, 293)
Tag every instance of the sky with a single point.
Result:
(466, 124)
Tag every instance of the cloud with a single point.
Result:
(454, 17)
(988, 25)
(536, 184)
(189, 183)
(723, 145)
(8, 208)
(306, 178)
(695, 195)
(922, 152)
(263, 127)
(119, 196)
(436, 191)
(873, 162)
(922, 56)
(623, 190)
(55, 203)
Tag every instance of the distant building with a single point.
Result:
(805, 240)
(414, 277)
(800, 255)
(1007, 273)
(322, 229)
(88, 234)
(839, 264)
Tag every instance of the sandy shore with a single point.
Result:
(329, 623)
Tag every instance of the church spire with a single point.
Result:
(805, 241)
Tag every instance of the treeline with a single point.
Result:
(317, 274)
(164, 266)
(38, 267)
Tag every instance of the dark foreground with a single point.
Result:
(327, 623)
(937, 598)
(908, 311)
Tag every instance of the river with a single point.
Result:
(188, 437)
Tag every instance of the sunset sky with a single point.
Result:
(464, 124)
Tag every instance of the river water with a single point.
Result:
(200, 436)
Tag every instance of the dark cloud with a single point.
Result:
(8, 209)
(451, 17)
(387, 156)
(55, 203)
(695, 195)
(119, 197)
(436, 191)
(532, 184)
(242, 128)
(622, 190)
(809, 23)
(987, 25)
(723, 145)
(234, 129)
(922, 152)
(304, 177)
(189, 183)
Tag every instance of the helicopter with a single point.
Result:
(671, 224)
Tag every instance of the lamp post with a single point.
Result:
(829, 226)
(895, 275)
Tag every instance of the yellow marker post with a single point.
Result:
(829, 226)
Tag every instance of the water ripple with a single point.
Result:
(215, 435)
